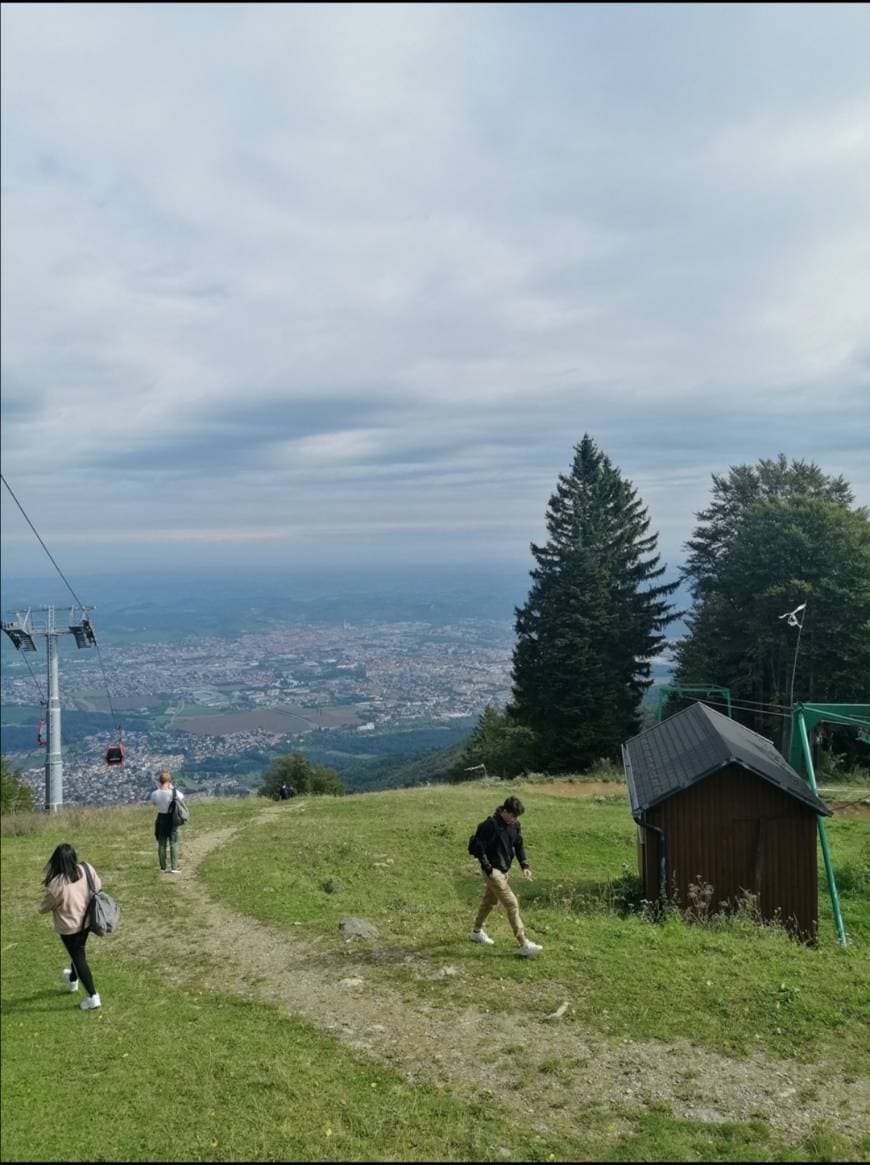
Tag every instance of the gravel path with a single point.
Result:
(476, 1052)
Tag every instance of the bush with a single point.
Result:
(497, 747)
(836, 769)
(15, 795)
(297, 771)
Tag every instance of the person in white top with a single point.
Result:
(164, 828)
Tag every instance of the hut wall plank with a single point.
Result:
(740, 834)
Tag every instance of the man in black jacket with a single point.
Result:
(494, 844)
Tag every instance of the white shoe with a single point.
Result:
(480, 936)
(90, 1002)
(175, 870)
(72, 984)
(529, 948)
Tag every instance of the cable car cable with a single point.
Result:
(78, 602)
(43, 699)
(739, 707)
(106, 682)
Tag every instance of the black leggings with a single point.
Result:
(75, 944)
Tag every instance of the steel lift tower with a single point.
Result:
(21, 631)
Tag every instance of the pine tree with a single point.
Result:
(593, 619)
(498, 747)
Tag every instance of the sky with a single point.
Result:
(345, 284)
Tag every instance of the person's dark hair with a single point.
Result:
(513, 805)
(64, 862)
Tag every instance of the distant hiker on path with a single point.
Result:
(165, 830)
(286, 792)
(494, 844)
(67, 896)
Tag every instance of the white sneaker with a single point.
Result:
(529, 948)
(480, 936)
(72, 984)
(90, 1002)
(175, 870)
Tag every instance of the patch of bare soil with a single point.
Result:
(584, 789)
(552, 1070)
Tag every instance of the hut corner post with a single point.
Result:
(823, 837)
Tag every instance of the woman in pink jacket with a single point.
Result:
(67, 896)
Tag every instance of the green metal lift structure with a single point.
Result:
(696, 691)
(805, 717)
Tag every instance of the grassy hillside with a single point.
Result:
(238, 1023)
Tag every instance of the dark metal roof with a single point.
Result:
(695, 743)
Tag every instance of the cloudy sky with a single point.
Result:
(348, 283)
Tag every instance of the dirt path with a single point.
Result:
(473, 1051)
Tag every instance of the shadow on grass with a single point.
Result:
(620, 896)
(50, 999)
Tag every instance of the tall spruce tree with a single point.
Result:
(593, 619)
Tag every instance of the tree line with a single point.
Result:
(775, 535)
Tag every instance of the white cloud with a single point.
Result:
(386, 264)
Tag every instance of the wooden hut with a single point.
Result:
(715, 803)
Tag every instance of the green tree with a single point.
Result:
(772, 479)
(325, 781)
(801, 542)
(498, 747)
(593, 619)
(297, 771)
(15, 795)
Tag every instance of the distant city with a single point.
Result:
(213, 690)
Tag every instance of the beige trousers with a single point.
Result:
(498, 890)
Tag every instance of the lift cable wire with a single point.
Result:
(106, 682)
(739, 707)
(760, 703)
(41, 694)
(742, 700)
(753, 706)
(78, 601)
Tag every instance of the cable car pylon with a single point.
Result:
(21, 631)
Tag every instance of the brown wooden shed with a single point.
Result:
(716, 801)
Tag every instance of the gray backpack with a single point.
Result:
(178, 811)
(103, 913)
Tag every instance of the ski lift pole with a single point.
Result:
(53, 756)
(823, 837)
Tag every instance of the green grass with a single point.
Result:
(162, 1072)
(399, 859)
(211, 1077)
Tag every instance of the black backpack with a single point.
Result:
(473, 837)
